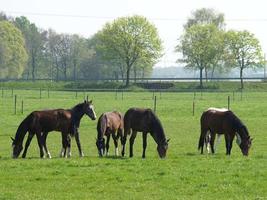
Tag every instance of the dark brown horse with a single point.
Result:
(43, 122)
(144, 120)
(222, 121)
(109, 123)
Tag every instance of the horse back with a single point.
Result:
(138, 119)
(49, 120)
(111, 121)
(218, 121)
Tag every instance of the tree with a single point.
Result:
(243, 51)
(127, 40)
(201, 47)
(205, 16)
(34, 43)
(12, 51)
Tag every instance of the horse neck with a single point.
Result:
(77, 114)
(158, 133)
(21, 131)
(242, 132)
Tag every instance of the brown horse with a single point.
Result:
(144, 120)
(222, 121)
(43, 122)
(109, 123)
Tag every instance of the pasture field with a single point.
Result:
(184, 174)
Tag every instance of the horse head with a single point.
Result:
(162, 148)
(245, 145)
(100, 144)
(88, 108)
(16, 148)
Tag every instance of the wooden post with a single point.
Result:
(40, 93)
(194, 95)
(48, 95)
(193, 108)
(155, 104)
(22, 107)
(12, 92)
(15, 105)
(241, 94)
(76, 94)
(228, 102)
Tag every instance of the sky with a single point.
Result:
(86, 17)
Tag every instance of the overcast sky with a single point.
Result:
(86, 17)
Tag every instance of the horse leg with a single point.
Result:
(132, 138)
(124, 139)
(230, 142)
(107, 143)
(202, 139)
(77, 138)
(40, 144)
(68, 146)
(227, 143)
(115, 139)
(212, 139)
(45, 147)
(28, 142)
(144, 144)
(64, 145)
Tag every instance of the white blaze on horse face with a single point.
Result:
(238, 139)
(92, 108)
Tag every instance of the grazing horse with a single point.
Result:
(109, 123)
(222, 121)
(42, 122)
(144, 120)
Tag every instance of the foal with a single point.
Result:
(108, 124)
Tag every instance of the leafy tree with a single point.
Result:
(243, 51)
(127, 40)
(34, 43)
(12, 51)
(201, 47)
(205, 16)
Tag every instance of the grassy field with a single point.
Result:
(184, 174)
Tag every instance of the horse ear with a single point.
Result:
(12, 139)
(251, 139)
(91, 101)
(168, 140)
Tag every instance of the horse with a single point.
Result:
(144, 120)
(109, 123)
(67, 121)
(222, 121)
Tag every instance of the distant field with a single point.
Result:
(184, 174)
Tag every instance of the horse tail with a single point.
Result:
(202, 133)
(24, 128)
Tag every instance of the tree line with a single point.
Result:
(127, 47)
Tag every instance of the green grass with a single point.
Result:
(184, 174)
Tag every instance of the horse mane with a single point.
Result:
(156, 125)
(23, 128)
(77, 107)
(238, 124)
(99, 127)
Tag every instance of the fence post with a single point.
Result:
(12, 92)
(48, 95)
(193, 108)
(87, 98)
(15, 105)
(194, 95)
(122, 94)
(76, 94)
(155, 104)
(22, 107)
(40, 93)
(228, 102)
